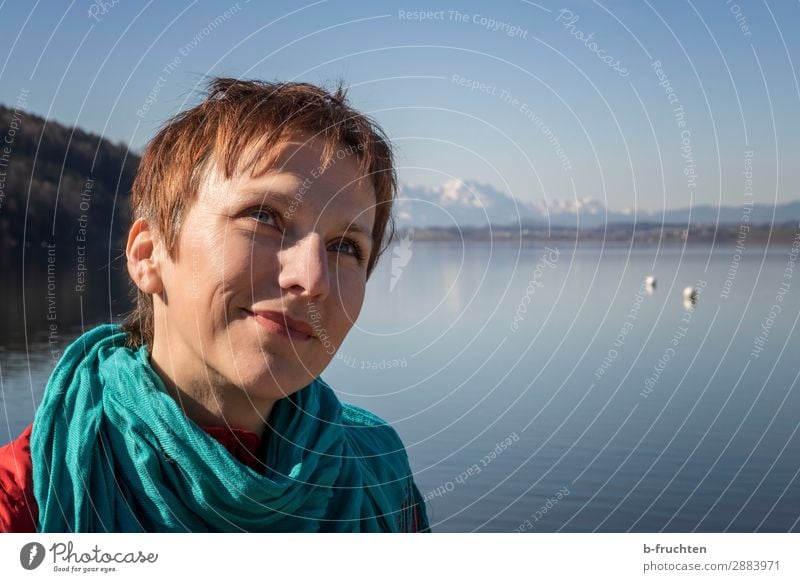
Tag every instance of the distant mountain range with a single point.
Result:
(63, 185)
(466, 203)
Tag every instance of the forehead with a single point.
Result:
(296, 171)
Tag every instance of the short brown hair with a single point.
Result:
(234, 116)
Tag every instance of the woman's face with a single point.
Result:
(293, 243)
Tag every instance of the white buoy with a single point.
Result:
(650, 281)
(689, 297)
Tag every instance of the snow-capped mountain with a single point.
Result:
(583, 212)
(470, 203)
(466, 203)
(457, 203)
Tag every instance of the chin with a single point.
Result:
(274, 362)
(274, 383)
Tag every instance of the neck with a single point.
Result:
(209, 404)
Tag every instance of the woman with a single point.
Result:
(258, 217)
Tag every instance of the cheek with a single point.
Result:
(201, 261)
(348, 302)
(219, 282)
(244, 265)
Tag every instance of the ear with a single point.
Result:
(144, 256)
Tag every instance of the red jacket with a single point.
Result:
(18, 510)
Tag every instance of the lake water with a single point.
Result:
(544, 388)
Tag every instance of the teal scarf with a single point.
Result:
(113, 451)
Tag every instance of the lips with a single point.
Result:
(276, 321)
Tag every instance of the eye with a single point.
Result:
(263, 214)
(350, 248)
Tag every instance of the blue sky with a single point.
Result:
(510, 93)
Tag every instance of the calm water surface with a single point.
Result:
(545, 389)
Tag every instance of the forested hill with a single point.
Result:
(61, 186)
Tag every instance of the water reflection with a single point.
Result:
(651, 416)
(43, 305)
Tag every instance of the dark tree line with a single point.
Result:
(47, 169)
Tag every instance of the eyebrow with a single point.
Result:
(354, 227)
(288, 200)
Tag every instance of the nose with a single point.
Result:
(304, 267)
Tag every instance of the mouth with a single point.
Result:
(279, 323)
